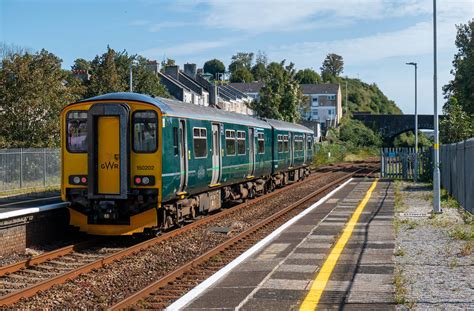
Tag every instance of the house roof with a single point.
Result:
(319, 88)
(252, 87)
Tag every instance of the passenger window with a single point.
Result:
(285, 143)
(309, 143)
(280, 143)
(145, 131)
(76, 129)
(241, 142)
(230, 142)
(175, 141)
(261, 143)
(200, 142)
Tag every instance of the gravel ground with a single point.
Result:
(104, 287)
(435, 253)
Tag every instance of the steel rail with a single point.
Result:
(137, 296)
(61, 278)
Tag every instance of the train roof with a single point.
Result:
(179, 109)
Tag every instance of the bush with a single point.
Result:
(357, 134)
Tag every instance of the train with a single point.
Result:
(133, 163)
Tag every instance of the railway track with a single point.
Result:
(175, 284)
(27, 278)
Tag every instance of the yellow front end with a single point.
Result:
(107, 200)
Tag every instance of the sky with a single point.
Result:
(375, 37)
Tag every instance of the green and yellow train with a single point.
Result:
(133, 163)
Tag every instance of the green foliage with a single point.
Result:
(457, 125)
(281, 96)
(259, 71)
(213, 67)
(337, 151)
(408, 140)
(81, 64)
(333, 64)
(357, 134)
(462, 86)
(33, 90)
(110, 73)
(308, 76)
(241, 60)
(167, 62)
(365, 97)
(241, 74)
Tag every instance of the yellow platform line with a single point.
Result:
(319, 284)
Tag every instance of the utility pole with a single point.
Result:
(436, 174)
(132, 63)
(347, 103)
(415, 175)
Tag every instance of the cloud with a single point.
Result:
(167, 24)
(189, 48)
(283, 15)
(139, 22)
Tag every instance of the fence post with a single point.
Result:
(44, 167)
(21, 168)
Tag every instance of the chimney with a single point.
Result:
(190, 70)
(172, 71)
(213, 97)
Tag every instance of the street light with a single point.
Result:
(415, 175)
(133, 63)
(436, 177)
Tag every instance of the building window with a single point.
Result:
(315, 101)
(331, 97)
(145, 131)
(241, 142)
(230, 142)
(200, 142)
(298, 143)
(261, 142)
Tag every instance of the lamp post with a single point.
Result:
(133, 63)
(415, 175)
(436, 177)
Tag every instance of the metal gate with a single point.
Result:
(399, 163)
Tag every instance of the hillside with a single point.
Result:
(368, 98)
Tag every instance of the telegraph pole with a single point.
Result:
(436, 174)
(415, 175)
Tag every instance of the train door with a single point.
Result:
(292, 148)
(108, 155)
(251, 151)
(216, 154)
(183, 159)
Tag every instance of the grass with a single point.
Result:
(16, 192)
(448, 201)
(464, 233)
(467, 249)
(399, 252)
(398, 200)
(400, 287)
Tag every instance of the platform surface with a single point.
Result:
(281, 274)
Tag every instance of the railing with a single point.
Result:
(399, 163)
(457, 172)
(29, 168)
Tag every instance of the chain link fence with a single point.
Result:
(29, 168)
(457, 172)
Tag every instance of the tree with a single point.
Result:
(457, 125)
(333, 65)
(167, 62)
(146, 81)
(241, 75)
(214, 66)
(281, 96)
(81, 64)
(33, 91)
(261, 58)
(241, 60)
(462, 86)
(308, 76)
(259, 71)
(105, 77)
(355, 132)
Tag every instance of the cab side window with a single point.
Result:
(230, 142)
(145, 132)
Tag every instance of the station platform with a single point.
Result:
(339, 255)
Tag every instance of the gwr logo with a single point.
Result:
(109, 165)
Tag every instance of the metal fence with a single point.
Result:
(399, 163)
(457, 172)
(29, 168)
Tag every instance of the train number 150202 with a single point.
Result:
(145, 167)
